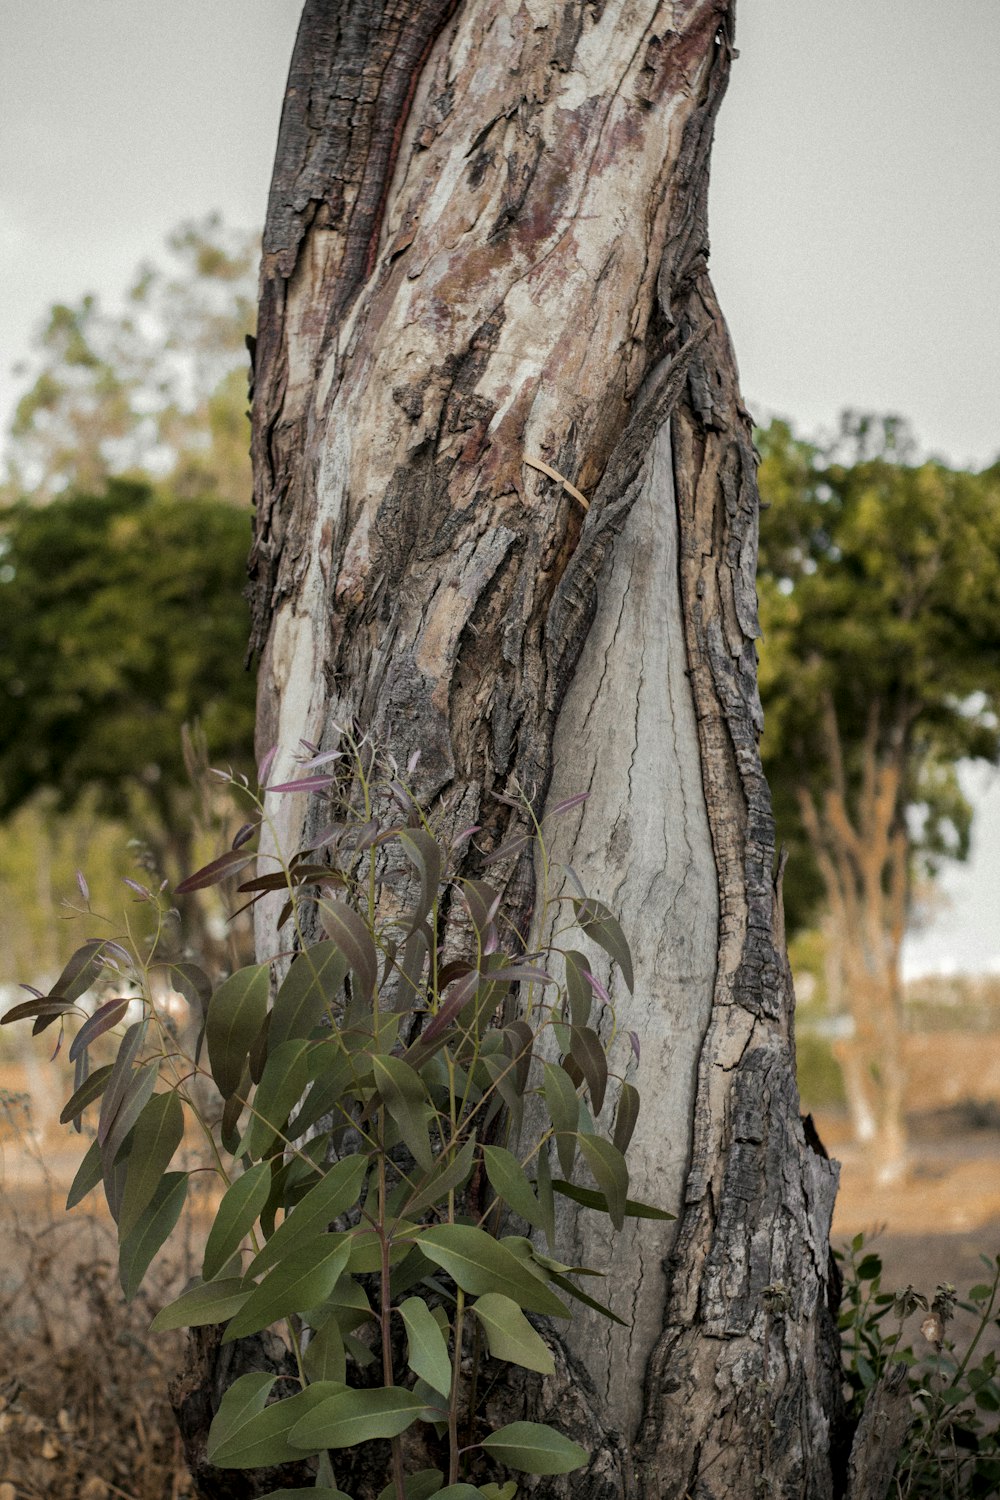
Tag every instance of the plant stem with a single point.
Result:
(454, 1451)
(385, 1310)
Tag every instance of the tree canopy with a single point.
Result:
(879, 587)
(124, 619)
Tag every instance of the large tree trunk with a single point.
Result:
(486, 251)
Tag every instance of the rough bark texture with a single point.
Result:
(486, 249)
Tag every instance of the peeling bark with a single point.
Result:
(486, 250)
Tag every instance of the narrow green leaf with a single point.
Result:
(88, 1175)
(351, 935)
(137, 1093)
(121, 1077)
(82, 968)
(281, 1086)
(563, 1105)
(299, 1282)
(610, 1174)
(510, 1336)
(590, 1199)
(324, 1357)
(588, 1050)
(564, 1283)
(235, 1015)
(310, 1492)
(235, 1217)
(450, 1171)
(478, 1264)
(208, 1302)
(351, 1417)
(337, 1190)
(534, 1449)
(249, 1434)
(508, 1181)
(605, 930)
(458, 1492)
(405, 1096)
(424, 853)
(158, 1132)
(519, 1040)
(418, 1486)
(92, 1088)
(313, 983)
(499, 1492)
(626, 1116)
(427, 1352)
(578, 990)
(331, 1070)
(154, 1226)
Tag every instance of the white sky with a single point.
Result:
(855, 215)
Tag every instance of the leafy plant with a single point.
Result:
(952, 1446)
(380, 1127)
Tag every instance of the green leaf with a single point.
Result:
(478, 1264)
(337, 1190)
(351, 1417)
(235, 1015)
(589, 1199)
(92, 1088)
(449, 1172)
(458, 1492)
(324, 1357)
(535, 1449)
(331, 1070)
(578, 990)
(510, 1336)
(280, 1089)
(88, 1175)
(605, 930)
(508, 1181)
(424, 853)
(564, 1110)
(310, 1492)
(418, 1486)
(121, 1078)
(312, 984)
(248, 1434)
(235, 1217)
(302, 1280)
(208, 1302)
(405, 1096)
(564, 1283)
(427, 1352)
(587, 1049)
(158, 1132)
(141, 1244)
(610, 1174)
(137, 1093)
(499, 1492)
(366, 1248)
(626, 1116)
(351, 935)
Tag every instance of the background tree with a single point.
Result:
(124, 621)
(506, 514)
(880, 670)
(157, 389)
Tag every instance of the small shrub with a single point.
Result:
(952, 1446)
(380, 1120)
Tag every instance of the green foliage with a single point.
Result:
(879, 587)
(157, 388)
(122, 618)
(952, 1445)
(377, 1233)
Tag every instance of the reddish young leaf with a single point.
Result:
(102, 1020)
(215, 872)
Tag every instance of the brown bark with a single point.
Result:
(486, 250)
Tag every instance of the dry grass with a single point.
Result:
(84, 1413)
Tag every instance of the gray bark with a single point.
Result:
(486, 248)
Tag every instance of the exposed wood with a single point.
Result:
(538, 292)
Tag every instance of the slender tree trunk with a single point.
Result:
(506, 515)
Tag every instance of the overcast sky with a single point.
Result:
(855, 214)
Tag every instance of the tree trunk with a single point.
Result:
(484, 304)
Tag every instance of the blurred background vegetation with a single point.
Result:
(124, 529)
